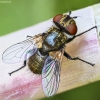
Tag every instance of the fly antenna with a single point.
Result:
(70, 13)
(76, 17)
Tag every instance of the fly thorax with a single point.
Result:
(54, 40)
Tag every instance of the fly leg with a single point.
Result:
(28, 36)
(70, 39)
(18, 68)
(85, 31)
(31, 52)
(35, 35)
(76, 58)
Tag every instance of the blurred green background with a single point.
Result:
(19, 14)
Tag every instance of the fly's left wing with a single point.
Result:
(17, 52)
(51, 74)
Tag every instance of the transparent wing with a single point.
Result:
(51, 74)
(17, 52)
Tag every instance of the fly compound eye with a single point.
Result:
(65, 23)
(57, 18)
(72, 29)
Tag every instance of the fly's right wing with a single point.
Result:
(51, 74)
(17, 52)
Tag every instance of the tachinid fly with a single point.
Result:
(44, 51)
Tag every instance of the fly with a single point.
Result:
(44, 51)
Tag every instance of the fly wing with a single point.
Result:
(51, 75)
(17, 52)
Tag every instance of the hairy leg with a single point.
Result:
(76, 58)
(80, 34)
(24, 63)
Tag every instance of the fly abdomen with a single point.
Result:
(36, 62)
